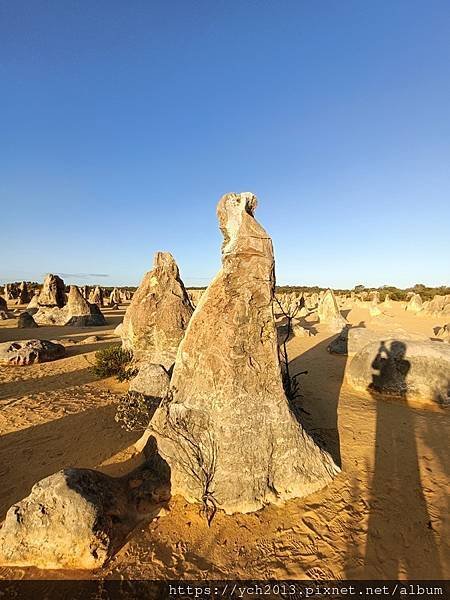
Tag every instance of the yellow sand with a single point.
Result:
(385, 516)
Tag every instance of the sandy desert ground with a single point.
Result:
(385, 516)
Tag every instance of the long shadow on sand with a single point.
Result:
(58, 381)
(84, 439)
(400, 538)
(317, 409)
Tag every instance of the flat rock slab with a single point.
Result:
(29, 352)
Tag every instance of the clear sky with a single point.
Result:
(123, 122)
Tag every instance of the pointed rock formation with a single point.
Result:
(415, 304)
(77, 312)
(226, 428)
(80, 312)
(53, 292)
(328, 312)
(156, 319)
(96, 297)
(114, 297)
(24, 296)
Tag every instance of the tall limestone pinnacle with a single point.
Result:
(226, 428)
(159, 312)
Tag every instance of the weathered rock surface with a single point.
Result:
(76, 313)
(328, 312)
(437, 306)
(80, 312)
(26, 321)
(152, 380)
(78, 518)
(157, 317)
(28, 352)
(409, 368)
(53, 292)
(226, 429)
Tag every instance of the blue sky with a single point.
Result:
(122, 123)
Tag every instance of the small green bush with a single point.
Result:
(114, 362)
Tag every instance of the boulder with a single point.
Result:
(69, 520)
(152, 380)
(28, 352)
(26, 321)
(157, 317)
(406, 368)
(53, 292)
(329, 313)
(226, 428)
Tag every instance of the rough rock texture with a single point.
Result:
(77, 312)
(152, 380)
(409, 368)
(28, 352)
(437, 306)
(78, 518)
(156, 319)
(329, 313)
(26, 321)
(226, 429)
(415, 304)
(96, 297)
(80, 312)
(53, 292)
(352, 339)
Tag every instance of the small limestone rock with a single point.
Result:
(71, 519)
(28, 352)
(151, 380)
(26, 321)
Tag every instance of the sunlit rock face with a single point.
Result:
(226, 429)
